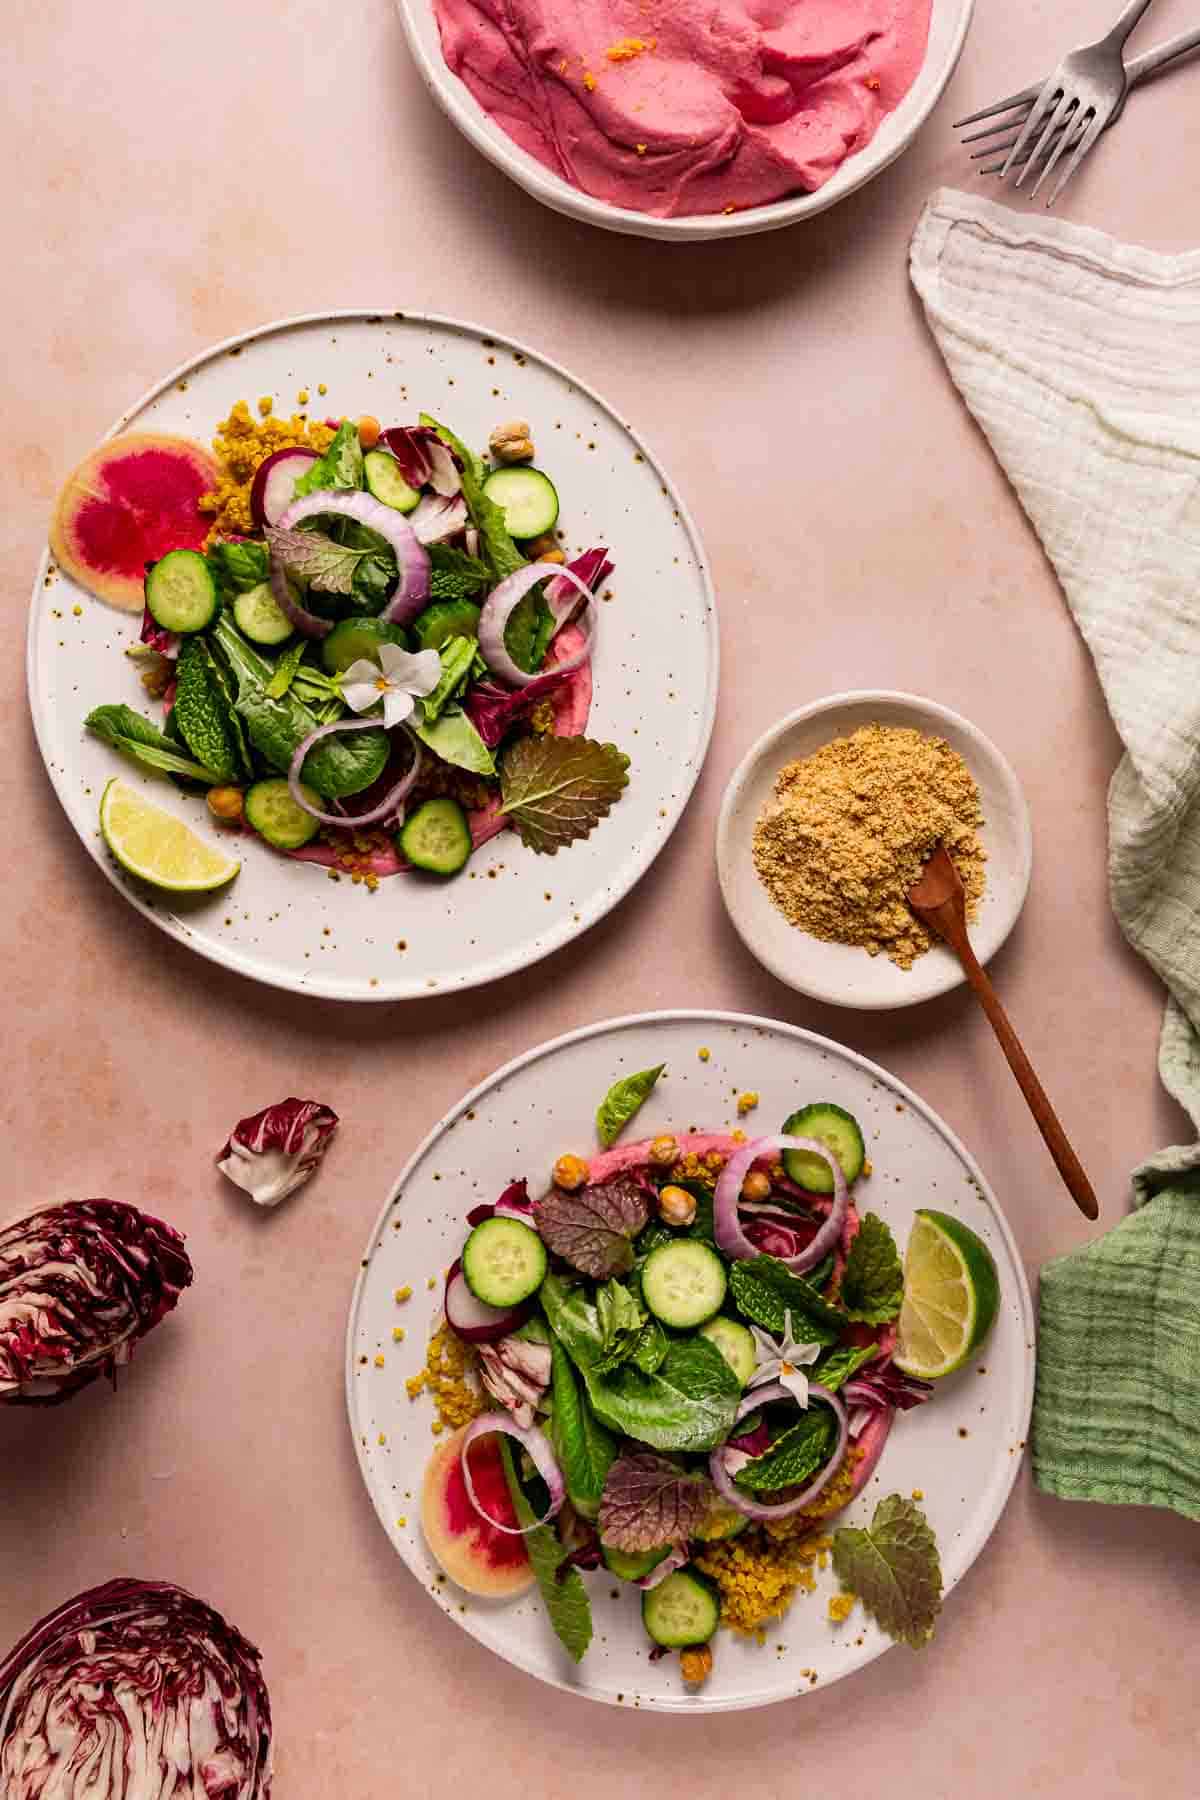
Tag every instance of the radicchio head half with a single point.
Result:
(134, 1689)
(80, 1283)
(277, 1150)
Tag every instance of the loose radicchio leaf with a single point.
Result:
(894, 1569)
(80, 1283)
(884, 1386)
(648, 1502)
(277, 1150)
(494, 710)
(873, 1280)
(153, 634)
(425, 460)
(516, 1373)
(557, 789)
(129, 1685)
(594, 1229)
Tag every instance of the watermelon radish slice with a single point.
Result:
(473, 1553)
(128, 503)
(274, 485)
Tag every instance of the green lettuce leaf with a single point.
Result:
(557, 789)
(457, 655)
(650, 1349)
(236, 568)
(286, 665)
(584, 1448)
(796, 1454)
(454, 738)
(142, 741)
(563, 1593)
(894, 1569)
(623, 1101)
(766, 1290)
(340, 467)
(873, 1279)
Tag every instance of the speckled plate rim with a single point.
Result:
(939, 977)
(591, 910)
(461, 109)
(696, 1703)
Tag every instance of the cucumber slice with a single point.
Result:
(353, 640)
(504, 1262)
(629, 1565)
(682, 1610)
(181, 593)
(735, 1344)
(382, 475)
(275, 816)
(831, 1125)
(437, 838)
(526, 497)
(443, 620)
(260, 617)
(683, 1283)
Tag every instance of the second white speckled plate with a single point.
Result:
(962, 1449)
(655, 669)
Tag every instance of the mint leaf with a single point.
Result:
(894, 1569)
(796, 1454)
(453, 575)
(594, 1229)
(649, 1502)
(873, 1281)
(584, 1448)
(565, 1599)
(557, 789)
(620, 1318)
(623, 1100)
(766, 1290)
(838, 1365)
(340, 467)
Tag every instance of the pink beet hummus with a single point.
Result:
(687, 106)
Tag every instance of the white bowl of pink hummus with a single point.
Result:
(688, 118)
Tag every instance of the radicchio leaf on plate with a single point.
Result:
(277, 1150)
(557, 789)
(80, 1283)
(594, 1229)
(130, 1689)
(894, 1568)
(649, 1501)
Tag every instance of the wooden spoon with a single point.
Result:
(937, 899)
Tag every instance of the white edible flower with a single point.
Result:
(397, 679)
(782, 1360)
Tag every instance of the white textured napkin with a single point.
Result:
(1080, 359)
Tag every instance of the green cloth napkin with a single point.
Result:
(1080, 359)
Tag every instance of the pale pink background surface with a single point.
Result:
(176, 174)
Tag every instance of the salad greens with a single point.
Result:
(594, 1230)
(563, 1593)
(585, 1448)
(873, 1283)
(259, 644)
(623, 1101)
(894, 1569)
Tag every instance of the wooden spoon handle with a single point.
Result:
(1047, 1120)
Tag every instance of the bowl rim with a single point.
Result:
(452, 97)
(726, 850)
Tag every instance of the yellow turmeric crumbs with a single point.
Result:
(397, 1334)
(747, 1102)
(402, 1294)
(625, 49)
(241, 443)
(589, 81)
(266, 406)
(840, 1607)
(847, 831)
(704, 1053)
(760, 1572)
(640, 148)
(379, 1362)
(704, 1169)
(402, 1521)
(448, 1361)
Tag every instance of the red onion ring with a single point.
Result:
(412, 559)
(757, 1509)
(727, 1226)
(306, 623)
(532, 1440)
(350, 821)
(497, 609)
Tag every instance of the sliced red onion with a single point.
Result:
(308, 624)
(391, 801)
(497, 610)
(783, 1509)
(727, 1226)
(591, 567)
(437, 517)
(474, 1321)
(412, 559)
(536, 1444)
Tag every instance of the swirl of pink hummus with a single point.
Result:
(670, 107)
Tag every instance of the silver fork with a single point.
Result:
(1020, 105)
(1080, 98)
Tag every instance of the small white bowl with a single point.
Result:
(841, 973)
(948, 24)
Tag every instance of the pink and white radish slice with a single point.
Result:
(471, 1318)
(274, 484)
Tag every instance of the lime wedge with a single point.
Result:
(159, 847)
(951, 1293)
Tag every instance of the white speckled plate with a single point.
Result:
(962, 1449)
(655, 669)
(841, 973)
